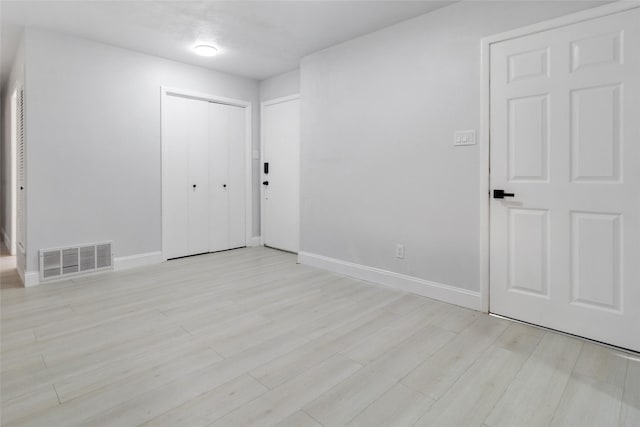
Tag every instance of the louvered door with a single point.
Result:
(21, 173)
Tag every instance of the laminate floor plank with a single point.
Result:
(397, 331)
(41, 398)
(520, 338)
(342, 403)
(630, 409)
(534, 394)
(593, 395)
(437, 373)
(279, 403)
(400, 406)
(292, 364)
(212, 405)
(77, 411)
(299, 419)
(96, 365)
(475, 393)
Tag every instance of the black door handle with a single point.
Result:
(500, 194)
(265, 182)
(224, 185)
(194, 186)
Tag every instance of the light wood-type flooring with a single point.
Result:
(250, 338)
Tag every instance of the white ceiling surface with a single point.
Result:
(257, 39)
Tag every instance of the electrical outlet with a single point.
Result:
(400, 251)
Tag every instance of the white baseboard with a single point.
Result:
(437, 291)
(255, 241)
(137, 260)
(29, 278)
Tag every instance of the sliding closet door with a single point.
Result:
(198, 172)
(227, 176)
(185, 134)
(218, 177)
(236, 187)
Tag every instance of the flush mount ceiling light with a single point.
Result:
(205, 50)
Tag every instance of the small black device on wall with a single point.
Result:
(266, 167)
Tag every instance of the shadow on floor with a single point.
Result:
(9, 277)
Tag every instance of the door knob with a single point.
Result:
(194, 186)
(265, 182)
(224, 185)
(500, 194)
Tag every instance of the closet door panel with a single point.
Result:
(199, 179)
(237, 176)
(218, 160)
(178, 120)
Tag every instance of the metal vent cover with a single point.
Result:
(75, 260)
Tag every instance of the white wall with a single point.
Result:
(281, 85)
(378, 164)
(16, 77)
(93, 135)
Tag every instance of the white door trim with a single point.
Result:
(485, 123)
(262, 106)
(168, 91)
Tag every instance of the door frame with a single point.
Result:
(485, 120)
(261, 167)
(248, 208)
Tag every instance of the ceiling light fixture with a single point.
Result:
(205, 50)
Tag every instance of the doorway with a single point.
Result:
(281, 173)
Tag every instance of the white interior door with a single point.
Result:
(565, 140)
(281, 185)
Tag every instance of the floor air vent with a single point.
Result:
(74, 260)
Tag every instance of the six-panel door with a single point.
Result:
(565, 139)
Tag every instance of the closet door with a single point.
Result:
(226, 177)
(185, 137)
(199, 218)
(218, 177)
(237, 176)
(204, 176)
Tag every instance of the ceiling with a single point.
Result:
(257, 39)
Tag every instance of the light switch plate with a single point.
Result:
(464, 137)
